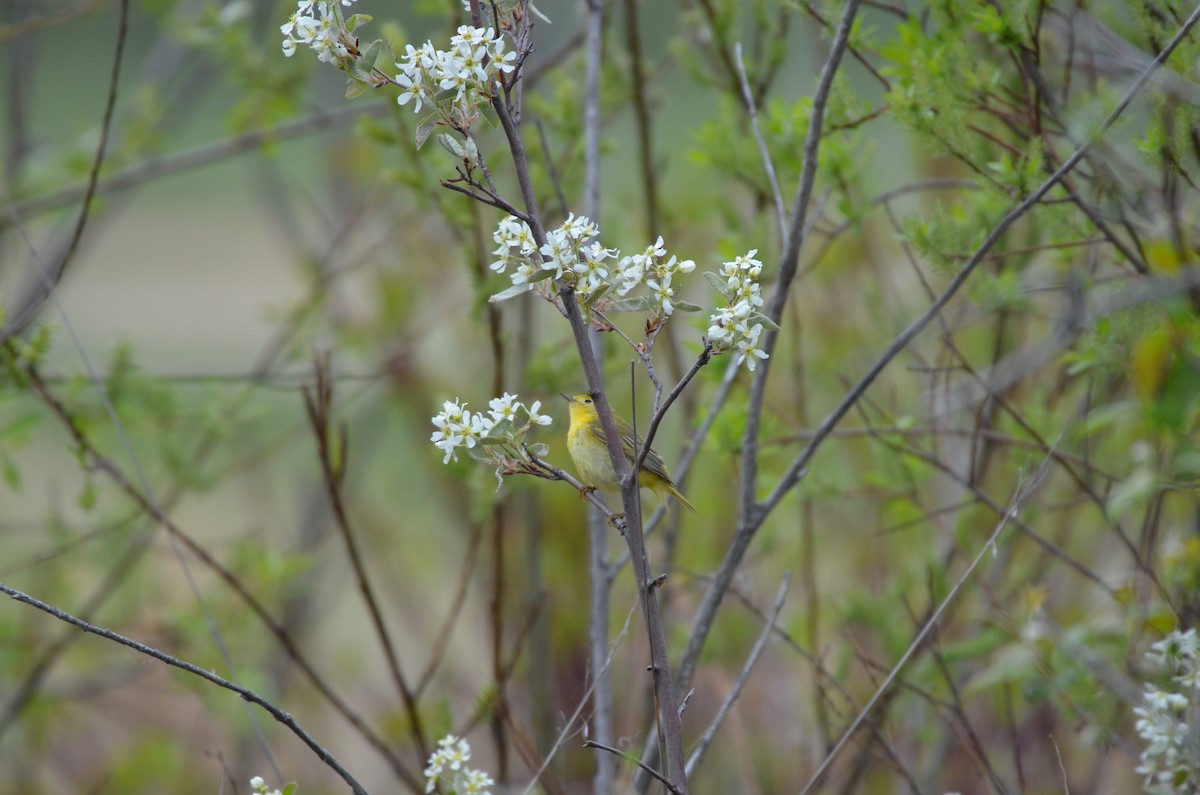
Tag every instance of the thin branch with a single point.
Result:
(488, 198)
(153, 509)
(1022, 492)
(177, 162)
(516, 146)
(901, 342)
(437, 649)
(759, 645)
(684, 465)
(35, 23)
(551, 472)
(701, 360)
(247, 695)
(763, 151)
(25, 315)
(854, 53)
(600, 584)
(790, 260)
(661, 672)
(583, 700)
(318, 402)
(750, 516)
(642, 119)
(660, 661)
(986, 499)
(630, 758)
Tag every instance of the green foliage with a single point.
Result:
(152, 762)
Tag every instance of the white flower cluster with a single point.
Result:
(654, 268)
(572, 253)
(448, 765)
(318, 24)
(603, 280)
(1170, 761)
(495, 436)
(459, 78)
(738, 325)
(259, 787)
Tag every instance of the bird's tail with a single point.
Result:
(674, 492)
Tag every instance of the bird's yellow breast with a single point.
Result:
(591, 458)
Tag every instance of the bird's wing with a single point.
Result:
(653, 463)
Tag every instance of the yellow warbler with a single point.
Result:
(589, 451)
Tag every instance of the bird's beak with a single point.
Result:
(568, 398)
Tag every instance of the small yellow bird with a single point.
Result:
(589, 451)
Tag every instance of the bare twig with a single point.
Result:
(660, 662)
(152, 508)
(25, 314)
(600, 583)
(706, 739)
(583, 701)
(905, 337)
(1022, 492)
(247, 695)
(630, 758)
(642, 118)
(551, 472)
(789, 262)
(318, 402)
(34, 23)
(165, 165)
(750, 515)
(701, 360)
(148, 503)
(437, 649)
(764, 153)
(486, 197)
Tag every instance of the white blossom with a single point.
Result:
(447, 765)
(662, 293)
(1168, 761)
(535, 417)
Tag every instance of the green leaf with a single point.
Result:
(759, 317)
(1141, 484)
(426, 128)
(355, 87)
(684, 306)
(361, 19)
(511, 292)
(603, 290)
(1186, 464)
(370, 55)
(87, 497)
(19, 428)
(539, 449)
(488, 114)
(1176, 403)
(451, 145)
(716, 282)
(632, 304)
(12, 475)
(1013, 664)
